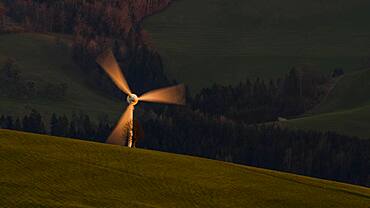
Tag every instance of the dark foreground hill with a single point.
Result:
(43, 171)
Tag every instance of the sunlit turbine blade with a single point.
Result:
(108, 62)
(168, 95)
(120, 132)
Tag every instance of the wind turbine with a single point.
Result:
(168, 95)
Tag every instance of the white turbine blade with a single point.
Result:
(120, 132)
(168, 95)
(111, 67)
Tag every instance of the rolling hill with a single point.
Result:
(40, 57)
(44, 171)
(345, 110)
(228, 41)
(351, 91)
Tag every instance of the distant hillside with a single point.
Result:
(45, 58)
(353, 122)
(346, 109)
(46, 171)
(351, 91)
(227, 41)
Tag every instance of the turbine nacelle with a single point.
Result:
(132, 99)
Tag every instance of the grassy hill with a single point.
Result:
(351, 91)
(43, 171)
(345, 110)
(354, 122)
(40, 57)
(227, 41)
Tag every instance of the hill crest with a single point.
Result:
(61, 172)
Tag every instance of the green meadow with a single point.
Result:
(44, 171)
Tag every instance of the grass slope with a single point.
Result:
(40, 58)
(354, 122)
(346, 109)
(43, 171)
(227, 41)
(351, 91)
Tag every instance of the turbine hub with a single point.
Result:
(132, 99)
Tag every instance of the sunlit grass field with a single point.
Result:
(227, 41)
(44, 171)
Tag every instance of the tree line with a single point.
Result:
(113, 18)
(78, 126)
(325, 155)
(259, 101)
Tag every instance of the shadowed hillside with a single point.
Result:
(351, 91)
(258, 38)
(345, 110)
(46, 58)
(40, 170)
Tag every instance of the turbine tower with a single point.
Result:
(124, 128)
